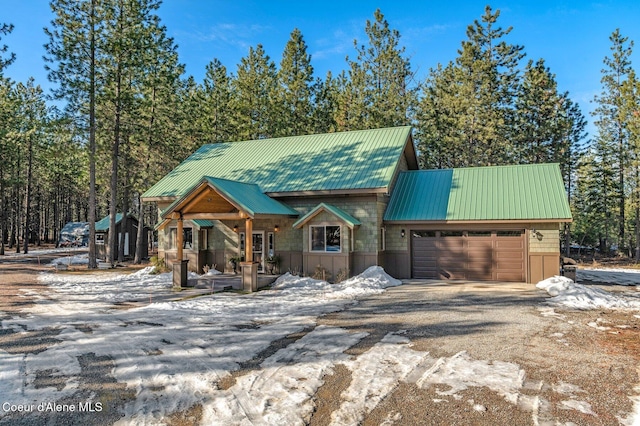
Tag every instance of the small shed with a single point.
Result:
(130, 236)
(74, 234)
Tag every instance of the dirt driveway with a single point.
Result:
(492, 354)
(579, 366)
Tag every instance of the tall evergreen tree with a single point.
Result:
(255, 88)
(216, 115)
(324, 105)
(5, 29)
(295, 78)
(630, 110)
(609, 118)
(75, 47)
(479, 89)
(381, 79)
(31, 127)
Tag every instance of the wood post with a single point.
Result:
(180, 238)
(248, 240)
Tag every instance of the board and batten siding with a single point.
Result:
(544, 251)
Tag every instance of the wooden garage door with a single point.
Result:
(472, 255)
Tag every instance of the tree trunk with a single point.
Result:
(115, 152)
(92, 139)
(140, 234)
(27, 195)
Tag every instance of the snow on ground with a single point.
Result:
(567, 293)
(173, 354)
(38, 252)
(78, 259)
(577, 296)
(215, 333)
(609, 276)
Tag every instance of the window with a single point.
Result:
(187, 238)
(445, 234)
(241, 235)
(100, 239)
(424, 234)
(479, 233)
(509, 233)
(270, 244)
(383, 239)
(325, 238)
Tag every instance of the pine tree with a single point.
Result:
(216, 115)
(381, 80)
(324, 105)
(630, 110)
(31, 125)
(609, 119)
(477, 93)
(255, 88)
(5, 29)
(295, 91)
(75, 48)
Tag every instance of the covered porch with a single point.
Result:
(227, 201)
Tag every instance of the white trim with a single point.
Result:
(324, 225)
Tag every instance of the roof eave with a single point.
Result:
(475, 222)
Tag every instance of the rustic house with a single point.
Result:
(130, 234)
(342, 202)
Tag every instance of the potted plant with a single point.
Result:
(272, 262)
(233, 262)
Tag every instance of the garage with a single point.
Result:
(498, 223)
(497, 255)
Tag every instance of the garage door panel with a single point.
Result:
(509, 243)
(478, 257)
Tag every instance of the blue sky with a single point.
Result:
(572, 36)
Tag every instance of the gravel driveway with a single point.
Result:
(493, 354)
(566, 361)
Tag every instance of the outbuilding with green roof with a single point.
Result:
(338, 203)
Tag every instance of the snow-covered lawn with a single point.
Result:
(38, 252)
(174, 354)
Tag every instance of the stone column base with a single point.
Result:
(249, 276)
(180, 273)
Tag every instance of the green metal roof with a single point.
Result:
(103, 224)
(202, 223)
(248, 197)
(522, 192)
(337, 212)
(362, 159)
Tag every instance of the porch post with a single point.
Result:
(180, 266)
(249, 267)
(248, 240)
(180, 238)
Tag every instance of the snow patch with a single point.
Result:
(577, 296)
(460, 372)
(79, 259)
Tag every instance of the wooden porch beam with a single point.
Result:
(195, 200)
(213, 216)
(248, 240)
(180, 238)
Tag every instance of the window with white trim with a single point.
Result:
(187, 238)
(100, 239)
(325, 238)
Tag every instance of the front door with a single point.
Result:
(258, 249)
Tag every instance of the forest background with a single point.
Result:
(121, 112)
